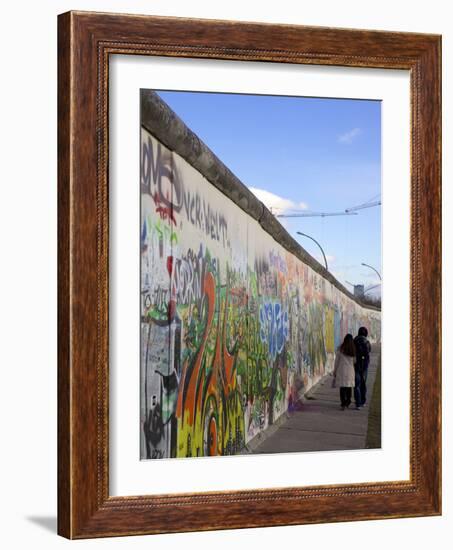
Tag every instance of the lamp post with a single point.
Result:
(375, 270)
(320, 247)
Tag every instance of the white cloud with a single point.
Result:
(348, 137)
(275, 203)
(330, 259)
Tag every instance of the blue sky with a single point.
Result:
(312, 154)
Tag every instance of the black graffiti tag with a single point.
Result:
(158, 175)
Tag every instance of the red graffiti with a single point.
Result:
(165, 211)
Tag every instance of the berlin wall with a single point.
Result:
(237, 320)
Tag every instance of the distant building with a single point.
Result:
(359, 291)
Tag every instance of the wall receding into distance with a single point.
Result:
(234, 325)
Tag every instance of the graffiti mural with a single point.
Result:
(233, 326)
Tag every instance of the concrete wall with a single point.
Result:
(234, 326)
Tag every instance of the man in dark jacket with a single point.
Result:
(363, 350)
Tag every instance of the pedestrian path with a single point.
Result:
(319, 424)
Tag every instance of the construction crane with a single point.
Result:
(361, 206)
(315, 214)
(351, 211)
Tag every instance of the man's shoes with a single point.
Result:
(357, 408)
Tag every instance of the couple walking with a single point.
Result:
(351, 368)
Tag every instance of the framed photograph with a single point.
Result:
(249, 275)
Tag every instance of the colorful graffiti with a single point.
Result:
(233, 327)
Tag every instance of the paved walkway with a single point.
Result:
(319, 424)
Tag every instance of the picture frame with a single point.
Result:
(85, 42)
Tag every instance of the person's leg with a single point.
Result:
(357, 396)
(365, 372)
(363, 387)
(343, 396)
(348, 393)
